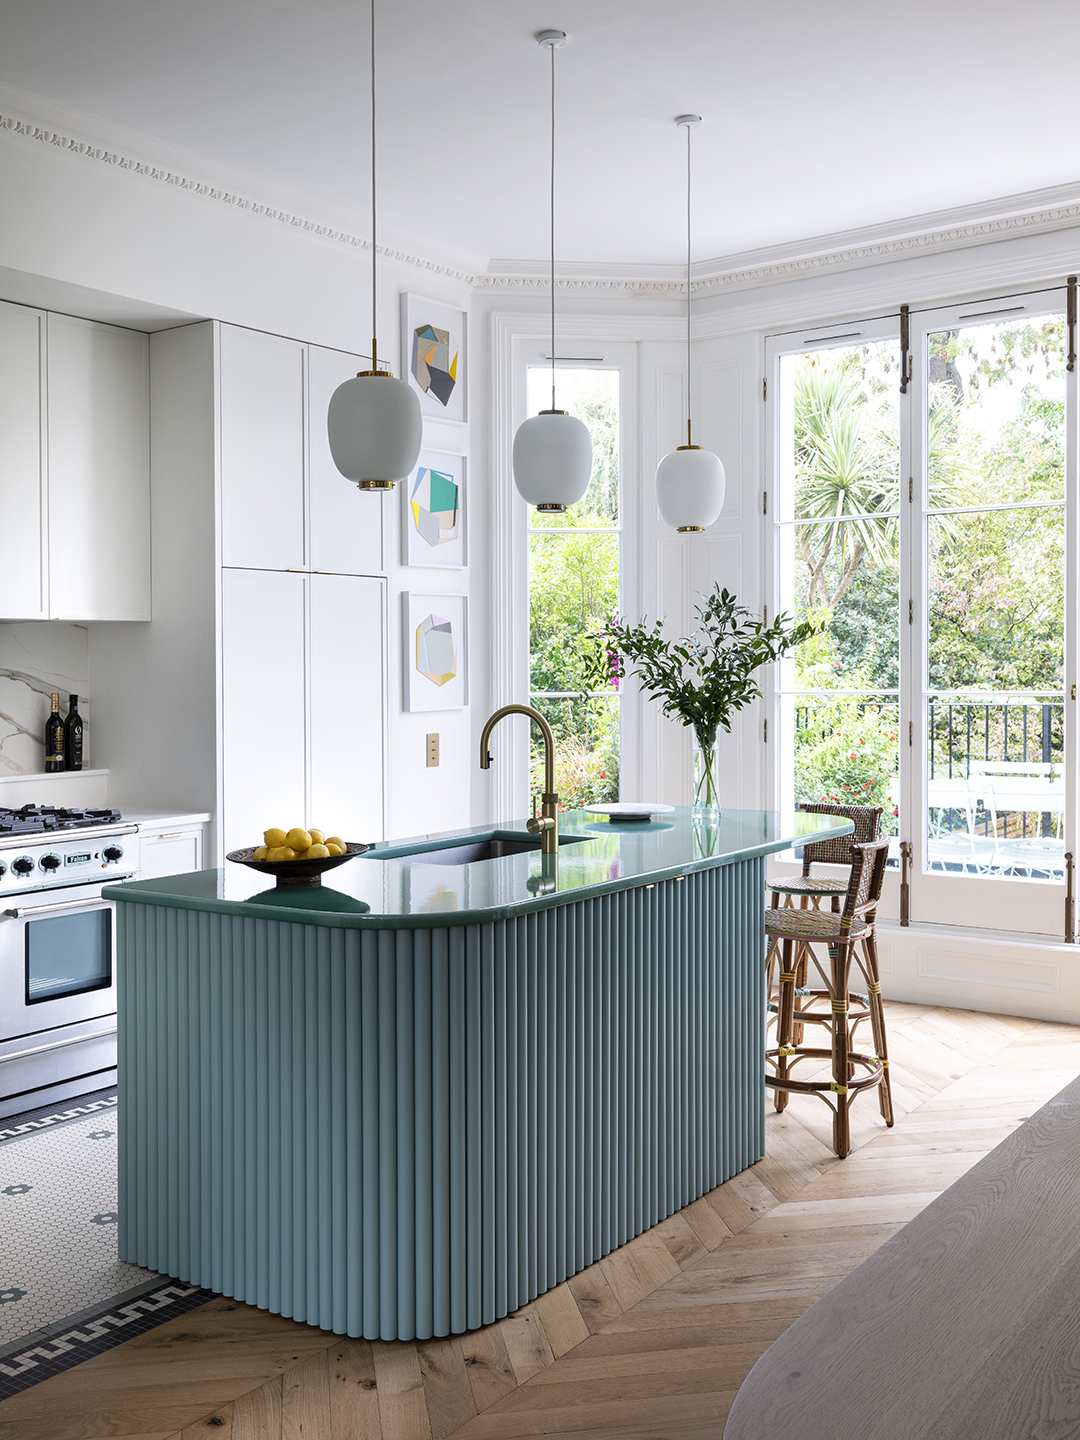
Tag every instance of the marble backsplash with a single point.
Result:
(37, 657)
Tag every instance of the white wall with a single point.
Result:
(82, 233)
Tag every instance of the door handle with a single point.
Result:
(30, 912)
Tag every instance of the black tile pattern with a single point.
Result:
(12, 1127)
(61, 1346)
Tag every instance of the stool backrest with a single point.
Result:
(867, 819)
(867, 877)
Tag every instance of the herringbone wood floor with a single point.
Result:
(651, 1342)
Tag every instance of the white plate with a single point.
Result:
(630, 810)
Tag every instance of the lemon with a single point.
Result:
(298, 839)
(273, 838)
(332, 849)
(334, 840)
(318, 837)
(260, 853)
(317, 852)
(281, 852)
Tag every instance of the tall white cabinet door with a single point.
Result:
(99, 471)
(262, 450)
(263, 707)
(348, 693)
(23, 552)
(346, 522)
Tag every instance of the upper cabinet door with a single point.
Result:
(23, 567)
(346, 522)
(262, 451)
(99, 471)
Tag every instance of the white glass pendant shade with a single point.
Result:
(552, 460)
(375, 428)
(690, 487)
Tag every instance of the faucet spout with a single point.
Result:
(547, 826)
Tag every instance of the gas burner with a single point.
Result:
(43, 819)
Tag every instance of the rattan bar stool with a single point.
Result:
(847, 936)
(811, 888)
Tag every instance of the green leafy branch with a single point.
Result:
(703, 679)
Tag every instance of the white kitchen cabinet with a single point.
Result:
(263, 704)
(345, 522)
(346, 669)
(23, 519)
(98, 471)
(262, 451)
(170, 850)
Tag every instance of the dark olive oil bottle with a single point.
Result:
(73, 736)
(54, 738)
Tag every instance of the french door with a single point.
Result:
(923, 506)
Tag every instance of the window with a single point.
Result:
(925, 536)
(573, 591)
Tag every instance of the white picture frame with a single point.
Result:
(433, 534)
(441, 386)
(435, 651)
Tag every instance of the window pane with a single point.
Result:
(996, 786)
(847, 752)
(846, 581)
(996, 600)
(842, 407)
(573, 591)
(593, 396)
(586, 749)
(996, 416)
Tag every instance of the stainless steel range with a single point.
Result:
(58, 951)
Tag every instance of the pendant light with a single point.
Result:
(552, 450)
(374, 423)
(689, 480)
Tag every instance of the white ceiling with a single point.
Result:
(818, 117)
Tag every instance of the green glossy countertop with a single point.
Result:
(392, 887)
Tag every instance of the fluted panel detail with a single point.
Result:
(399, 1134)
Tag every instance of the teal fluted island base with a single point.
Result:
(396, 1126)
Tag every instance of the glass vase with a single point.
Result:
(706, 776)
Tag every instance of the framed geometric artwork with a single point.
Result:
(436, 659)
(433, 523)
(433, 356)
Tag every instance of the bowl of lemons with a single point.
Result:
(297, 857)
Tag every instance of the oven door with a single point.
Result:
(57, 959)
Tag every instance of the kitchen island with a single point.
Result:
(404, 1105)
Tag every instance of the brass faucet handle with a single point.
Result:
(538, 823)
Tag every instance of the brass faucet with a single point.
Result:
(546, 825)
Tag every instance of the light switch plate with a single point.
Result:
(432, 750)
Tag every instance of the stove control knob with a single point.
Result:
(3, 869)
(23, 866)
(50, 862)
(113, 853)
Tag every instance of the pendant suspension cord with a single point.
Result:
(689, 439)
(374, 242)
(552, 48)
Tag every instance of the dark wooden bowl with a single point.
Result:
(294, 874)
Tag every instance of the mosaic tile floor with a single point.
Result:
(64, 1294)
(58, 1224)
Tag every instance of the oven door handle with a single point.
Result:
(31, 912)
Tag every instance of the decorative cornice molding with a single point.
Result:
(1037, 212)
(28, 130)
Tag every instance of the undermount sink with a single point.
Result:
(486, 847)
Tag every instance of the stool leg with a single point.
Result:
(784, 1024)
(800, 968)
(877, 1022)
(840, 956)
